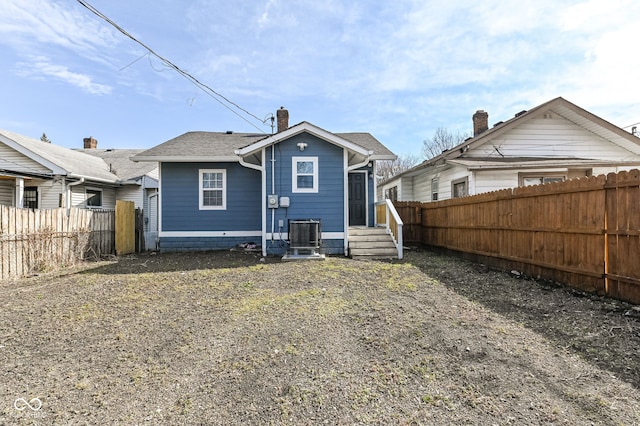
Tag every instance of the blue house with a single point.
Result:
(222, 189)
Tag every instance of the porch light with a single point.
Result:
(302, 145)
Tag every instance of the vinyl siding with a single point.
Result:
(131, 193)
(49, 193)
(551, 137)
(19, 162)
(328, 203)
(180, 206)
(7, 189)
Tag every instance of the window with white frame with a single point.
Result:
(304, 174)
(94, 197)
(434, 189)
(213, 189)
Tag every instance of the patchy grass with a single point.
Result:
(224, 338)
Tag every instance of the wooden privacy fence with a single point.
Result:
(584, 232)
(38, 240)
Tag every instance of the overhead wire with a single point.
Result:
(218, 97)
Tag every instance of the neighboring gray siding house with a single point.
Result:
(37, 174)
(142, 184)
(554, 141)
(218, 190)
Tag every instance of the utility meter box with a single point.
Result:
(272, 201)
(284, 201)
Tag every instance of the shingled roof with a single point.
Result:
(119, 162)
(59, 160)
(221, 146)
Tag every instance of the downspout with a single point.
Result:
(273, 189)
(261, 169)
(69, 185)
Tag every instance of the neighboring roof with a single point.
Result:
(368, 141)
(560, 106)
(60, 160)
(119, 161)
(223, 146)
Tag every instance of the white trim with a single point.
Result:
(300, 128)
(324, 236)
(294, 175)
(86, 198)
(206, 234)
(264, 198)
(345, 196)
(201, 205)
(19, 193)
(159, 199)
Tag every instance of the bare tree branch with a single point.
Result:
(388, 168)
(442, 140)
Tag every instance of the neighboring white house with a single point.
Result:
(37, 174)
(555, 141)
(41, 175)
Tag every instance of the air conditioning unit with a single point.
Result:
(304, 238)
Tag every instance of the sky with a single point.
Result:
(397, 69)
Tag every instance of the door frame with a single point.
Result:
(366, 196)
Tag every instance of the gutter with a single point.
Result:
(94, 179)
(364, 163)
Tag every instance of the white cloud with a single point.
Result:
(38, 24)
(41, 67)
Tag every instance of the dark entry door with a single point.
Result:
(357, 199)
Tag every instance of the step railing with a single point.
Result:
(387, 216)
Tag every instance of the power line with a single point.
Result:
(218, 97)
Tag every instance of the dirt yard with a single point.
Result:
(224, 338)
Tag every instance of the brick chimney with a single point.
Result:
(480, 122)
(90, 143)
(282, 115)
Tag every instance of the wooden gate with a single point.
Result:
(125, 227)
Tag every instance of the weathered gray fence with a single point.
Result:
(39, 240)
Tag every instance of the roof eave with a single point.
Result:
(301, 128)
(174, 159)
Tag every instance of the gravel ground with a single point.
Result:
(228, 338)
